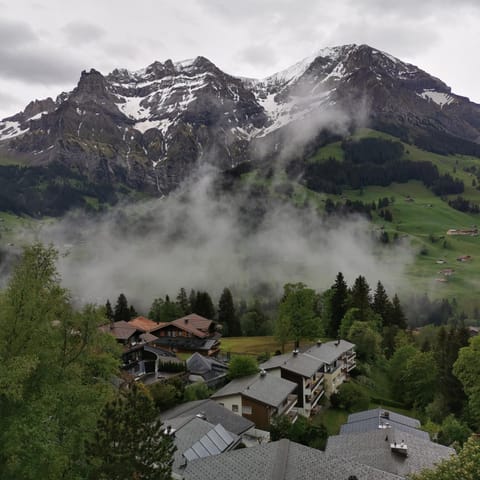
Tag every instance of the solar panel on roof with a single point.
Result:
(210, 446)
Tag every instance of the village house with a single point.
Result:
(207, 370)
(140, 356)
(259, 397)
(306, 371)
(339, 359)
(189, 334)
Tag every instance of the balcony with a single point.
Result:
(288, 406)
(313, 383)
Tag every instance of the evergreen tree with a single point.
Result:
(184, 307)
(397, 317)
(192, 299)
(338, 305)
(381, 303)
(155, 312)
(227, 316)
(109, 311)
(360, 297)
(204, 305)
(129, 443)
(122, 311)
(133, 312)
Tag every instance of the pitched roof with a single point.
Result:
(267, 389)
(379, 412)
(199, 364)
(120, 330)
(373, 448)
(279, 461)
(329, 351)
(301, 364)
(372, 424)
(213, 413)
(145, 324)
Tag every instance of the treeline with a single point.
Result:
(464, 205)
(372, 161)
(48, 190)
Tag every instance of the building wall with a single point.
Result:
(260, 415)
(298, 379)
(333, 381)
(230, 401)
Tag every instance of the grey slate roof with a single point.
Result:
(301, 364)
(213, 412)
(266, 389)
(199, 364)
(373, 448)
(372, 424)
(278, 461)
(376, 412)
(329, 351)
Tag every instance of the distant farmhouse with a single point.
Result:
(473, 232)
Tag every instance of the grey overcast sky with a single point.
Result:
(45, 44)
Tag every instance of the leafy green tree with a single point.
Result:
(303, 431)
(350, 397)
(166, 395)
(55, 371)
(164, 310)
(280, 426)
(242, 366)
(453, 431)
(464, 466)
(298, 311)
(196, 391)
(352, 316)
(367, 341)
(255, 322)
(227, 315)
(419, 379)
(397, 366)
(130, 442)
(122, 311)
(467, 370)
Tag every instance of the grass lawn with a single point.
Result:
(332, 419)
(252, 345)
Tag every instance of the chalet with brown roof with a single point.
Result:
(146, 325)
(189, 334)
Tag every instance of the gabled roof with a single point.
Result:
(193, 323)
(145, 324)
(120, 330)
(267, 389)
(373, 448)
(200, 365)
(330, 351)
(301, 364)
(279, 460)
(213, 413)
(378, 412)
(372, 424)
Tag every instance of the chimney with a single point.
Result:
(263, 373)
(295, 352)
(319, 343)
(201, 415)
(337, 343)
(186, 320)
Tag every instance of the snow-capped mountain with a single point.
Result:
(148, 129)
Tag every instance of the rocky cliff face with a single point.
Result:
(149, 129)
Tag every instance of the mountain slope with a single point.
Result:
(148, 130)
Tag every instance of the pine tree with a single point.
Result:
(227, 316)
(109, 311)
(133, 312)
(192, 298)
(338, 305)
(360, 296)
(381, 303)
(129, 443)
(183, 304)
(204, 305)
(122, 312)
(397, 317)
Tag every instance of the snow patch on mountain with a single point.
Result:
(10, 129)
(439, 98)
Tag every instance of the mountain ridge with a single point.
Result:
(149, 129)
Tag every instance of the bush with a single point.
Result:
(351, 397)
(241, 366)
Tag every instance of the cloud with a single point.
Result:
(38, 66)
(7, 100)
(79, 33)
(195, 239)
(258, 55)
(15, 33)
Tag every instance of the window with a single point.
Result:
(235, 408)
(247, 409)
